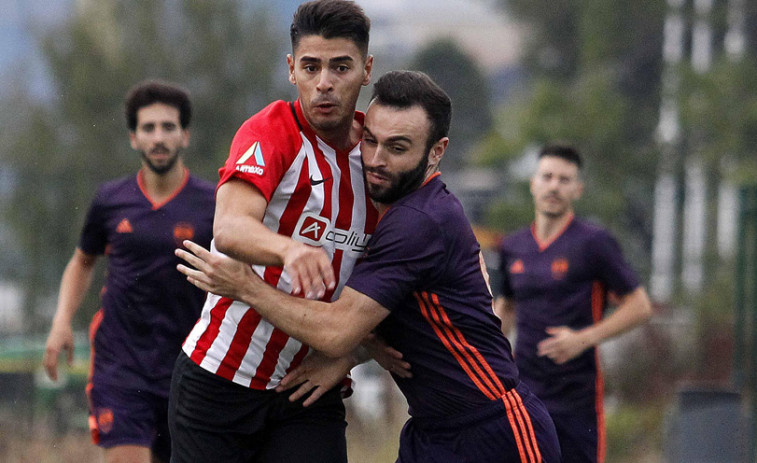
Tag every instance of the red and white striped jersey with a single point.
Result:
(316, 195)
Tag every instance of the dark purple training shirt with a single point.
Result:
(422, 263)
(562, 283)
(148, 307)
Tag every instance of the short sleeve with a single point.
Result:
(406, 252)
(263, 149)
(610, 265)
(94, 236)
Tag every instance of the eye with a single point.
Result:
(369, 141)
(342, 68)
(310, 68)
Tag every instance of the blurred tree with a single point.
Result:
(459, 75)
(594, 68)
(224, 52)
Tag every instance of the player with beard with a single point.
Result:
(147, 307)
(422, 285)
(558, 275)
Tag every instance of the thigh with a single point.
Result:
(121, 417)
(579, 436)
(313, 434)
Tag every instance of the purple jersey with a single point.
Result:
(148, 307)
(562, 283)
(423, 264)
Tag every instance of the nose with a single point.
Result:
(373, 156)
(325, 82)
(160, 134)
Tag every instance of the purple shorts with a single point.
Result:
(515, 428)
(581, 436)
(119, 416)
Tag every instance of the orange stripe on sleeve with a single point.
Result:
(598, 298)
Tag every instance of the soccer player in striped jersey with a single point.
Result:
(291, 203)
(557, 275)
(147, 309)
(422, 285)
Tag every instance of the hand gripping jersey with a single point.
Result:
(562, 283)
(148, 307)
(316, 195)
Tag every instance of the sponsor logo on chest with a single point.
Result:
(315, 230)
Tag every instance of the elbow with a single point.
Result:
(223, 240)
(645, 312)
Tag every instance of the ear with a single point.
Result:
(185, 138)
(437, 151)
(133, 139)
(367, 70)
(579, 189)
(290, 64)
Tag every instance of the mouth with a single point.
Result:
(374, 177)
(325, 106)
(160, 152)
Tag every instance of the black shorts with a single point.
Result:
(213, 419)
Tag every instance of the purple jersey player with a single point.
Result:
(147, 306)
(557, 276)
(422, 286)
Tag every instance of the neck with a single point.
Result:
(163, 186)
(547, 227)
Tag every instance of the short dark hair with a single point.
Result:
(404, 89)
(562, 150)
(331, 19)
(152, 91)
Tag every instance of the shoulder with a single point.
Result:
(201, 185)
(274, 129)
(112, 187)
(269, 122)
(516, 238)
(430, 212)
(591, 230)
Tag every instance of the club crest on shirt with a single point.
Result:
(252, 160)
(517, 267)
(559, 268)
(124, 226)
(183, 231)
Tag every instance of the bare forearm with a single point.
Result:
(248, 240)
(634, 310)
(319, 324)
(75, 283)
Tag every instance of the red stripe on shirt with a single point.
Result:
(238, 348)
(210, 334)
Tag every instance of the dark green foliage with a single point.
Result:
(227, 54)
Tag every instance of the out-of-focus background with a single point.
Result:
(660, 97)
